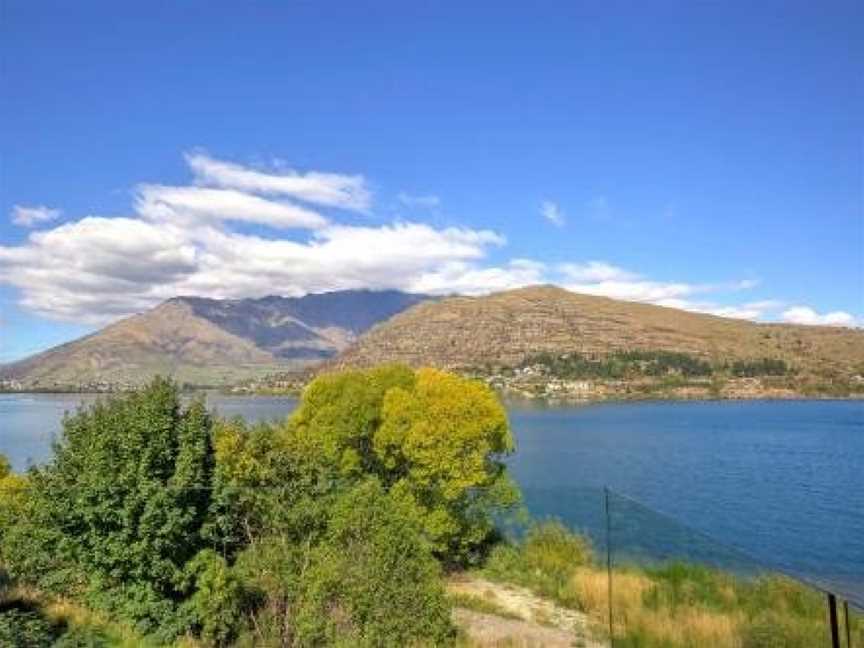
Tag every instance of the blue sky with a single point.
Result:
(700, 155)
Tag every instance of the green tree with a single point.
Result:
(372, 581)
(120, 509)
(217, 599)
(13, 492)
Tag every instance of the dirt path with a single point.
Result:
(535, 621)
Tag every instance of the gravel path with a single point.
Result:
(537, 621)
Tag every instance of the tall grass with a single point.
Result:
(674, 605)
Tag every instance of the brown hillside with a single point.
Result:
(505, 328)
(168, 340)
(210, 341)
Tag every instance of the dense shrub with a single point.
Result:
(324, 530)
(119, 511)
(656, 364)
(544, 560)
(762, 367)
(23, 628)
(373, 580)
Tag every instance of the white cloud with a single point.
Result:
(192, 204)
(423, 202)
(100, 268)
(595, 271)
(467, 279)
(183, 241)
(188, 240)
(97, 268)
(806, 315)
(32, 216)
(608, 280)
(330, 189)
(756, 310)
(552, 212)
(640, 291)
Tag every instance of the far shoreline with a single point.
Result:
(506, 398)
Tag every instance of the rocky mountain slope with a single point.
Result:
(505, 329)
(211, 342)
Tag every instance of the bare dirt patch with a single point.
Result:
(530, 620)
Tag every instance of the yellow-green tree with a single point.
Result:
(441, 442)
(434, 439)
(338, 416)
(13, 492)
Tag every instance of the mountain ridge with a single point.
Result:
(210, 342)
(507, 328)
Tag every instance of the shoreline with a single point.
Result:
(507, 397)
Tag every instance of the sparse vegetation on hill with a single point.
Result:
(505, 329)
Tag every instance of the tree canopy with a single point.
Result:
(327, 529)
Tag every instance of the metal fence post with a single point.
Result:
(832, 616)
(609, 563)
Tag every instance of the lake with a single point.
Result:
(781, 480)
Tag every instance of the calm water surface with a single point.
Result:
(781, 480)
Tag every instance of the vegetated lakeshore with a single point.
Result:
(694, 459)
(363, 520)
(535, 341)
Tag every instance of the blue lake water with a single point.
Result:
(783, 481)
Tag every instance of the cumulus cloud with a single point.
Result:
(806, 315)
(185, 240)
(467, 279)
(98, 268)
(607, 280)
(552, 212)
(195, 240)
(596, 271)
(32, 216)
(330, 189)
(192, 204)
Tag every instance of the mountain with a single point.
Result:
(505, 329)
(212, 342)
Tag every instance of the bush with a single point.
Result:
(550, 547)
(120, 509)
(545, 560)
(23, 628)
(373, 581)
(216, 605)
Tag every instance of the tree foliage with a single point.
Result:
(326, 529)
(435, 439)
(119, 511)
(373, 580)
(440, 443)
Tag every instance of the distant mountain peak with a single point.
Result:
(214, 342)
